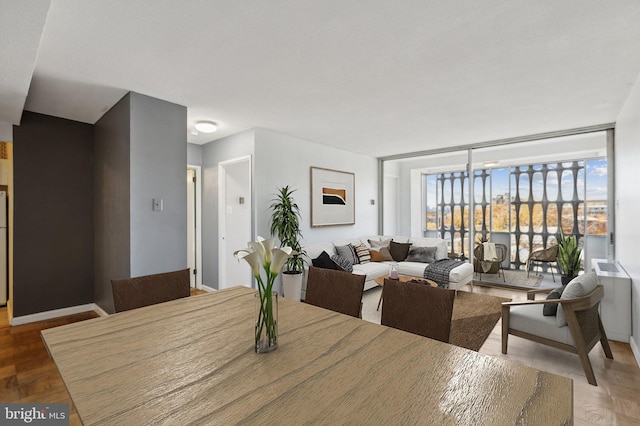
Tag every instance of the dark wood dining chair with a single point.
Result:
(338, 291)
(418, 308)
(132, 293)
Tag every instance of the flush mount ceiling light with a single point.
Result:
(206, 126)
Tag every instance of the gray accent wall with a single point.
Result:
(158, 170)
(627, 176)
(53, 230)
(140, 155)
(194, 154)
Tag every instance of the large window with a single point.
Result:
(525, 206)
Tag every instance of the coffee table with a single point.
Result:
(401, 278)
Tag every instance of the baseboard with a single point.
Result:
(635, 349)
(42, 316)
(207, 288)
(100, 311)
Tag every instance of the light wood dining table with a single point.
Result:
(191, 361)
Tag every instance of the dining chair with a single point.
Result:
(335, 290)
(418, 309)
(132, 293)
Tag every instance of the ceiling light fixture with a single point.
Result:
(206, 126)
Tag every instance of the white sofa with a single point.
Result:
(458, 277)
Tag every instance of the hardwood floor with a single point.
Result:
(616, 399)
(27, 374)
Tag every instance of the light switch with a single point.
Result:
(158, 204)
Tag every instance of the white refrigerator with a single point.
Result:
(3, 249)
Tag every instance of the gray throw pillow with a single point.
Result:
(550, 309)
(386, 254)
(349, 253)
(578, 287)
(377, 244)
(342, 262)
(422, 254)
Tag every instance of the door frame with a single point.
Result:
(222, 216)
(198, 212)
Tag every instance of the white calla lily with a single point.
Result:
(280, 256)
(253, 259)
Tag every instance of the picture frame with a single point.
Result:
(332, 197)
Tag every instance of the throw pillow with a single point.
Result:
(399, 251)
(378, 244)
(324, 261)
(422, 254)
(550, 309)
(348, 252)
(386, 254)
(376, 256)
(342, 262)
(578, 287)
(363, 254)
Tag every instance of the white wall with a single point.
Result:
(234, 146)
(285, 160)
(627, 176)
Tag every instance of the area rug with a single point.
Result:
(512, 279)
(474, 316)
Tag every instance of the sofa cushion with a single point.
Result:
(372, 270)
(342, 263)
(529, 318)
(324, 261)
(399, 251)
(578, 287)
(442, 251)
(362, 252)
(422, 254)
(348, 252)
(314, 250)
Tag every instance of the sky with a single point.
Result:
(596, 184)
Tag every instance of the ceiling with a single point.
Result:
(369, 76)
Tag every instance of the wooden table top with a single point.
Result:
(191, 361)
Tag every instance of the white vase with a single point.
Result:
(292, 286)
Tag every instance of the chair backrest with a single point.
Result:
(418, 309)
(338, 291)
(132, 293)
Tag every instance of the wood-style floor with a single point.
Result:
(27, 374)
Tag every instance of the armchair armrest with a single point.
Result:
(533, 302)
(531, 294)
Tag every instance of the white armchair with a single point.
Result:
(575, 328)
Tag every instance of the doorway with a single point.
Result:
(235, 203)
(194, 240)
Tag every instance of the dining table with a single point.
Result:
(192, 361)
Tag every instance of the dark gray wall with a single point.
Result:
(194, 154)
(111, 200)
(53, 233)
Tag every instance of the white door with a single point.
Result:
(234, 221)
(194, 257)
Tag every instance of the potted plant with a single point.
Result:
(568, 257)
(285, 224)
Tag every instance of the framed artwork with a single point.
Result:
(332, 197)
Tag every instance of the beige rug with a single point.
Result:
(512, 278)
(474, 316)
